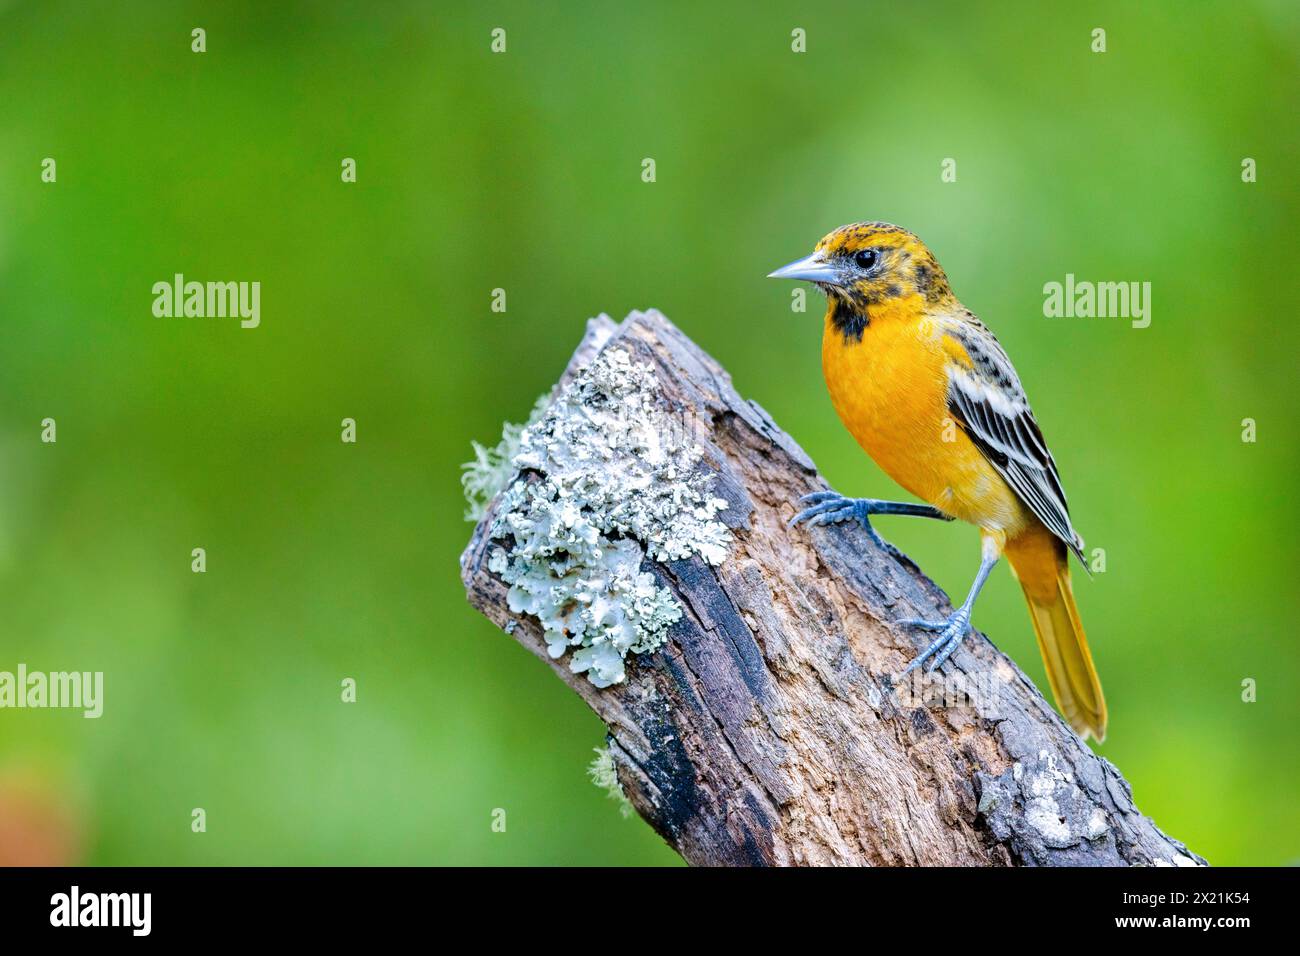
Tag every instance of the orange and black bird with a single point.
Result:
(928, 392)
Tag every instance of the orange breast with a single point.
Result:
(890, 390)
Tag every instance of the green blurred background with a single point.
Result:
(523, 171)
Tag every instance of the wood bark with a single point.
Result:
(768, 730)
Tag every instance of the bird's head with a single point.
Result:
(867, 264)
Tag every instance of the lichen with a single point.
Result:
(490, 471)
(1097, 825)
(1042, 811)
(604, 775)
(607, 479)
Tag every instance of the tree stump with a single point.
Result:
(767, 728)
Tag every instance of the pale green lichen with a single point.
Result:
(614, 480)
(490, 471)
(604, 776)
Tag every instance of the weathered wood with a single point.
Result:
(768, 729)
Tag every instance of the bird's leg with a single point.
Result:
(955, 627)
(830, 507)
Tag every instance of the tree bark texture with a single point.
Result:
(768, 729)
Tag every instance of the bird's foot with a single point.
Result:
(830, 507)
(950, 637)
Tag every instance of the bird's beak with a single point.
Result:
(811, 268)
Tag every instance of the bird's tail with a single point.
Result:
(1041, 564)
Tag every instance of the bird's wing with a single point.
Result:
(987, 400)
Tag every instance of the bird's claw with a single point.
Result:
(951, 633)
(831, 507)
(827, 507)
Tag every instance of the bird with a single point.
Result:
(929, 393)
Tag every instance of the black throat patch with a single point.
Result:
(850, 322)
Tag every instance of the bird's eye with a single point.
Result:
(866, 259)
